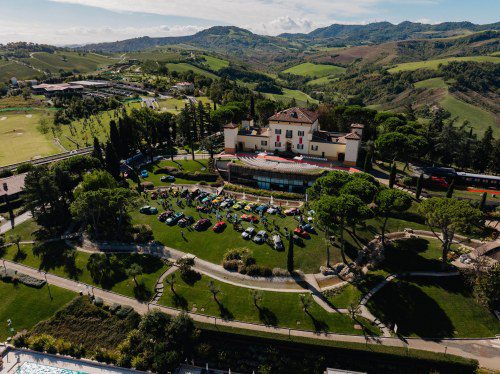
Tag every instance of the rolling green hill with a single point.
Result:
(67, 61)
(434, 64)
(311, 70)
(9, 69)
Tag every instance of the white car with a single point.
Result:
(272, 210)
(248, 233)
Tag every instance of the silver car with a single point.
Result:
(260, 237)
(278, 243)
(248, 233)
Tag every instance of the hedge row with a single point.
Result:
(11, 276)
(265, 193)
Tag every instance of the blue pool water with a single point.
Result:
(33, 368)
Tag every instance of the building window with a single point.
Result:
(289, 134)
(301, 133)
(300, 146)
(314, 147)
(277, 131)
(277, 144)
(263, 142)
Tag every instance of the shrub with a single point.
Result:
(166, 170)
(231, 265)
(279, 272)
(103, 355)
(147, 185)
(10, 275)
(24, 168)
(143, 233)
(258, 271)
(98, 301)
(114, 308)
(237, 254)
(6, 173)
(124, 311)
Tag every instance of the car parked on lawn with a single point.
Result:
(202, 224)
(144, 174)
(272, 210)
(219, 226)
(278, 243)
(261, 237)
(303, 234)
(186, 221)
(164, 215)
(172, 221)
(203, 208)
(292, 212)
(147, 209)
(248, 233)
(250, 207)
(308, 228)
(249, 218)
(261, 209)
(168, 178)
(237, 206)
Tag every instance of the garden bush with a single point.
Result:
(147, 185)
(124, 311)
(98, 301)
(257, 271)
(114, 308)
(24, 168)
(279, 272)
(12, 276)
(231, 265)
(142, 233)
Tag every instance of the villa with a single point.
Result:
(294, 131)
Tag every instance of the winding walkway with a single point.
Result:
(486, 351)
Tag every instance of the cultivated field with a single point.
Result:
(215, 63)
(434, 64)
(68, 61)
(308, 69)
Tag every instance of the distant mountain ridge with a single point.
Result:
(235, 39)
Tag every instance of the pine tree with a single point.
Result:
(112, 161)
(420, 186)
(451, 188)
(97, 152)
(392, 176)
(483, 151)
(252, 107)
(290, 264)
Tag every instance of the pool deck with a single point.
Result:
(14, 358)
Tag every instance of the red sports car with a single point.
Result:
(219, 226)
(249, 218)
(303, 234)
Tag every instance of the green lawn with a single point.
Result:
(215, 63)
(26, 306)
(20, 139)
(9, 69)
(434, 64)
(183, 67)
(309, 69)
(433, 307)
(276, 308)
(188, 165)
(322, 81)
(344, 297)
(56, 263)
(25, 230)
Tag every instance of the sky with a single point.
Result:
(68, 22)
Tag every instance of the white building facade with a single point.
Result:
(296, 131)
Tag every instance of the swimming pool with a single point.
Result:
(34, 368)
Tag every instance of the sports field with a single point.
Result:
(20, 139)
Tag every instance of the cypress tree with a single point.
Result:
(97, 152)
(392, 176)
(451, 188)
(112, 161)
(252, 107)
(482, 203)
(114, 138)
(290, 264)
(420, 185)
(368, 162)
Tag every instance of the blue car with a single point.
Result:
(144, 174)
(308, 228)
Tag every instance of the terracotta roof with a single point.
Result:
(230, 126)
(352, 136)
(298, 115)
(357, 126)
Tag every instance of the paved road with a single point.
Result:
(6, 226)
(486, 351)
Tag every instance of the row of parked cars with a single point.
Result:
(180, 219)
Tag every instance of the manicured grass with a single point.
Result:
(215, 63)
(431, 83)
(276, 308)
(55, 263)
(300, 97)
(309, 69)
(322, 81)
(25, 230)
(433, 307)
(187, 165)
(26, 306)
(345, 297)
(434, 64)
(479, 118)
(20, 139)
